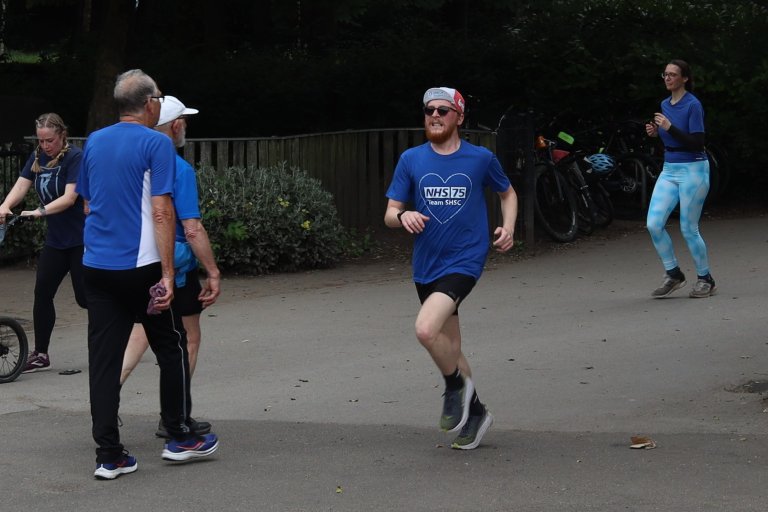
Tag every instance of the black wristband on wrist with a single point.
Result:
(400, 214)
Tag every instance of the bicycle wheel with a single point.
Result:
(585, 208)
(584, 221)
(723, 167)
(631, 183)
(603, 205)
(555, 204)
(13, 349)
(719, 175)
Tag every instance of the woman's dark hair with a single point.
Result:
(685, 70)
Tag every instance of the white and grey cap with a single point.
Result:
(445, 93)
(172, 108)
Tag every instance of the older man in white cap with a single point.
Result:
(443, 181)
(192, 244)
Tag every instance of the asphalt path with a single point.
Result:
(324, 401)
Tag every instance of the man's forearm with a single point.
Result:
(509, 209)
(164, 219)
(200, 244)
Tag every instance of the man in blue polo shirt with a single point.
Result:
(127, 177)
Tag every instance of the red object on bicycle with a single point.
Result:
(559, 154)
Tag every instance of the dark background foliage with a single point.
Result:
(273, 67)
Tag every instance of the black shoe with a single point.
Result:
(456, 407)
(198, 427)
(473, 431)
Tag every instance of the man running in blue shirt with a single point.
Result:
(127, 177)
(444, 181)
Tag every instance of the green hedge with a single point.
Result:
(259, 221)
(263, 220)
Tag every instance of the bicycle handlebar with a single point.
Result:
(9, 221)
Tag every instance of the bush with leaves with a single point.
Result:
(263, 220)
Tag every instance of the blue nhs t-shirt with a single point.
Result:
(449, 189)
(123, 166)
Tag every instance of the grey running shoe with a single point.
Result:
(703, 289)
(669, 285)
(37, 362)
(473, 431)
(456, 406)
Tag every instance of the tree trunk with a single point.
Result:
(85, 19)
(116, 23)
(3, 10)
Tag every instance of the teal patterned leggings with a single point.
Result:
(687, 184)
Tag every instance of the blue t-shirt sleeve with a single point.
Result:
(163, 166)
(400, 188)
(496, 179)
(73, 166)
(185, 196)
(696, 118)
(82, 176)
(26, 171)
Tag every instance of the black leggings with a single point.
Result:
(52, 266)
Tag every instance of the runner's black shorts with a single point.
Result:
(185, 299)
(456, 286)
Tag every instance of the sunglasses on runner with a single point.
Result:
(442, 111)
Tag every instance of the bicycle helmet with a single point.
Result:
(601, 163)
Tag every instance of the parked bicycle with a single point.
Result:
(13, 340)
(13, 349)
(639, 161)
(637, 164)
(570, 196)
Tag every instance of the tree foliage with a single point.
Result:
(271, 67)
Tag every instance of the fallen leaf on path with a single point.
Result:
(640, 443)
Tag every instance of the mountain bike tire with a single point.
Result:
(555, 204)
(585, 207)
(603, 205)
(584, 218)
(719, 173)
(13, 349)
(626, 181)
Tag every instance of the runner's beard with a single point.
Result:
(438, 137)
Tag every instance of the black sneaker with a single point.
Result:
(473, 431)
(198, 427)
(456, 406)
